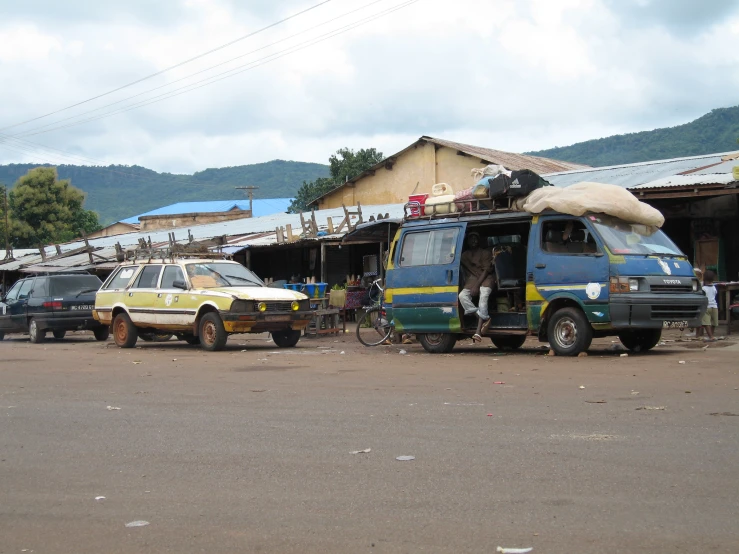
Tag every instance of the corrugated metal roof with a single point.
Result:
(632, 175)
(694, 179)
(264, 226)
(261, 207)
(724, 167)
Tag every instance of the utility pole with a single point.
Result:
(7, 237)
(250, 191)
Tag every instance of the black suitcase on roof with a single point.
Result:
(499, 186)
(524, 182)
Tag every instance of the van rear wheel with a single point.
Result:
(437, 343)
(640, 340)
(569, 332)
(512, 342)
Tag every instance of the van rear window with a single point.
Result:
(429, 247)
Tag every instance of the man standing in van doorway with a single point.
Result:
(477, 264)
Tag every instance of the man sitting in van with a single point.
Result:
(477, 264)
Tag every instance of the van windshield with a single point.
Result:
(632, 238)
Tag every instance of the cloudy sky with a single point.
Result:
(514, 75)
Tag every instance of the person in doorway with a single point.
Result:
(710, 319)
(477, 264)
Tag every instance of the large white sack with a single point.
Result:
(582, 198)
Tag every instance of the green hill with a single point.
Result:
(714, 132)
(118, 191)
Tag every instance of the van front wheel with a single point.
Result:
(569, 332)
(437, 343)
(640, 340)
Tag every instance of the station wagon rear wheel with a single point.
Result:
(124, 331)
(34, 333)
(569, 332)
(212, 333)
(437, 343)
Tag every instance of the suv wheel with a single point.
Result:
(124, 331)
(102, 333)
(286, 339)
(569, 332)
(212, 333)
(34, 333)
(59, 334)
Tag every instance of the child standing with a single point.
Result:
(710, 319)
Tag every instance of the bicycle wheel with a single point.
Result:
(373, 328)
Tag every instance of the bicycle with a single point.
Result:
(373, 327)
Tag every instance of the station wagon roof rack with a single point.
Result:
(146, 252)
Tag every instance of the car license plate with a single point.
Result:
(82, 307)
(277, 318)
(674, 324)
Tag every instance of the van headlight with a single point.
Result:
(624, 284)
(695, 285)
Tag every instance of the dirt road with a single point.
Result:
(250, 449)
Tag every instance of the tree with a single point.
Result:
(46, 210)
(343, 165)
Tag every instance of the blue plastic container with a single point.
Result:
(321, 290)
(310, 290)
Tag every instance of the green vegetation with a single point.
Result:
(712, 133)
(118, 191)
(43, 209)
(343, 165)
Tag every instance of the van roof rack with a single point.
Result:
(414, 210)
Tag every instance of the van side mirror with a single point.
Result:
(179, 285)
(598, 254)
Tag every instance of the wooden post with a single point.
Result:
(248, 258)
(323, 262)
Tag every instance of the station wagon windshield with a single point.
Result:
(208, 275)
(631, 238)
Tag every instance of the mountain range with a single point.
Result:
(118, 191)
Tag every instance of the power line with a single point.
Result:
(28, 132)
(232, 72)
(171, 67)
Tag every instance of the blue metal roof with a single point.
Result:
(262, 206)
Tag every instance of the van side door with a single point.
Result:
(423, 281)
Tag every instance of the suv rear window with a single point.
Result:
(70, 285)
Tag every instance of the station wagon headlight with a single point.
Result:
(262, 306)
(295, 306)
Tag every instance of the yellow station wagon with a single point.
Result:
(199, 300)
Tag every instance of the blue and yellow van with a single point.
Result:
(562, 278)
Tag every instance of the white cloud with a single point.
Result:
(508, 74)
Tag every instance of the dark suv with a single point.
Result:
(56, 303)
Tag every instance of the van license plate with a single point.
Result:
(277, 318)
(674, 324)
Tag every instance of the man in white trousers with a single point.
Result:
(477, 264)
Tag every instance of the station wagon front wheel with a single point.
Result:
(212, 333)
(124, 331)
(569, 332)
